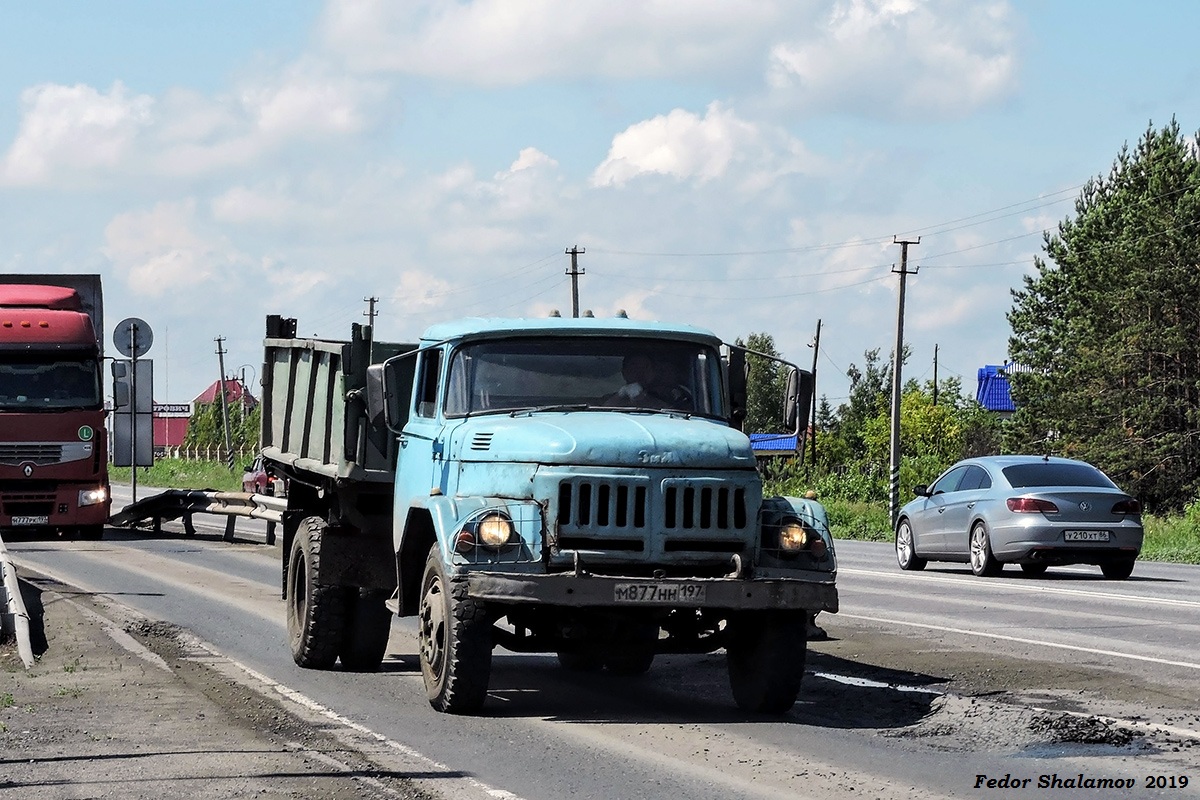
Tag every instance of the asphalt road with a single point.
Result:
(897, 703)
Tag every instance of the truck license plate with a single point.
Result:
(30, 520)
(1085, 536)
(659, 593)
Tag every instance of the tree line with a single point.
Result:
(1106, 330)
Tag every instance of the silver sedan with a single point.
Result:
(1035, 511)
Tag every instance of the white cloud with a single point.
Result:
(900, 58)
(160, 252)
(77, 134)
(502, 42)
(686, 146)
(66, 130)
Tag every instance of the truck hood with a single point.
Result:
(602, 438)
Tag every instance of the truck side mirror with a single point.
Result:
(797, 401)
(389, 390)
(737, 387)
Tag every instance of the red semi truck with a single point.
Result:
(53, 445)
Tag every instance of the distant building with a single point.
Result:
(171, 419)
(993, 391)
(235, 392)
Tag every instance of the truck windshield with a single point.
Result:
(586, 372)
(38, 381)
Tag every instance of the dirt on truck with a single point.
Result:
(579, 487)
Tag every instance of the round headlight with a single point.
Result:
(793, 536)
(495, 530)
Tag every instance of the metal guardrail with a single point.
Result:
(14, 612)
(184, 503)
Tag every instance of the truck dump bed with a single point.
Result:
(314, 405)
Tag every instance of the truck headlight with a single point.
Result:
(90, 497)
(495, 530)
(795, 537)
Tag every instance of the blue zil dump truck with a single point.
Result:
(570, 486)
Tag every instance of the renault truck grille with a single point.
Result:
(38, 453)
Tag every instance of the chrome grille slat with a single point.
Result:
(40, 454)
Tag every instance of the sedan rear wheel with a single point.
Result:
(906, 551)
(983, 563)
(1118, 569)
(1033, 570)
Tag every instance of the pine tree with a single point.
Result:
(1109, 325)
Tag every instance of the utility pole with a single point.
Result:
(370, 312)
(575, 272)
(220, 340)
(935, 360)
(812, 417)
(897, 382)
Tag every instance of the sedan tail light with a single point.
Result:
(1129, 506)
(1031, 505)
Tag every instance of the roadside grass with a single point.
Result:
(175, 473)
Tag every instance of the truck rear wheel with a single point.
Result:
(765, 654)
(316, 613)
(455, 637)
(367, 631)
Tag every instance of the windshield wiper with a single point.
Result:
(558, 407)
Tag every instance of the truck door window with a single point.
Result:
(427, 393)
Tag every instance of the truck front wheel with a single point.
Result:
(316, 614)
(765, 654)
(455, 637)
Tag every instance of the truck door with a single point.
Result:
(419, 464)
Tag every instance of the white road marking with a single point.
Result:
(1022, 587)
(313, 706)
(1020, 640)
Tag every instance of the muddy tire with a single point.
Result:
(316, 613)
(635, 654)
(454, 634)
(765, 654)
(369, 623)
(91, 533)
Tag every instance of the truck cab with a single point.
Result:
(579, 487)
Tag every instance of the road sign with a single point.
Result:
(133, 337)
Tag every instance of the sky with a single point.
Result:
(743, 167)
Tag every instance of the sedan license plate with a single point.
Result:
(30, 520)
(659, 593)
(1085, 536)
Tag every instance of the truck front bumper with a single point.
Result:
(607, 591)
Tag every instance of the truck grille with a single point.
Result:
(30, 503)
(614, 514)
(41, 454)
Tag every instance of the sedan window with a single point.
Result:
(948, 482)
(976, 478)
(1049, 474)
